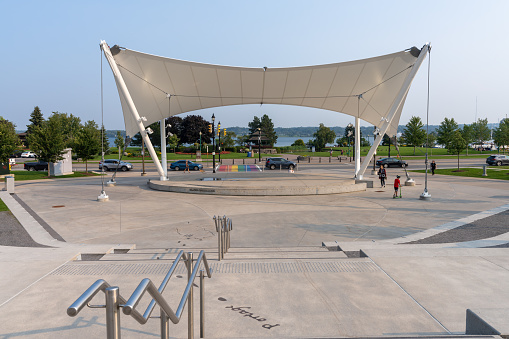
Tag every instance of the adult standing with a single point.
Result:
(433, 167)
(187, 167)
(382, 174)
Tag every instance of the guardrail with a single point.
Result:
(114, 301)
(223, 227)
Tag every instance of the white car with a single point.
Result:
(28, 154)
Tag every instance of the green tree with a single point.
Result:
(299, 143)
(431, 140)
(229, 139)
(242, 140)
(414, 134)
(119, 143)
(36, 119)
(48, 141)
(191, 127)
(480, 131)
(87, 143)
(467, 134)
(8, 140)
(71, 126)
(172, 141)
(254, 125)
(501, 134)
(456, 145)
(267, 127)
(445, 131)
(324, 135)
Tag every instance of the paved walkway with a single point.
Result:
(402, 288)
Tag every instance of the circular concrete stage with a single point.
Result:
(258, 184)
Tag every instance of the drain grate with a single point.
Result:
(221, 268)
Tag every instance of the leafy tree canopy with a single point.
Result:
(36, 119)
(324, 135)
(480, 131)
(299, 143)
(414, 134)
(87, 143)
(501, 134)
(8, 139)
(267, 128)
(445, 131)
(48, 141)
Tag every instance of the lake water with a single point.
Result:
(281, 141)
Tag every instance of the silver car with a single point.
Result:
(111, 164)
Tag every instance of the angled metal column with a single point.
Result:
(164, 161)
(394, 108)
(357, 146)
(132, 107)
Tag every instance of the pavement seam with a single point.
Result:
(410, 296)
(32, 284)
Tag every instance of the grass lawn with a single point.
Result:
(3, 207)
(37, 175)
(498, 173)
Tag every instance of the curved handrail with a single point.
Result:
(146, 285)
(89, 294)
(165, 281)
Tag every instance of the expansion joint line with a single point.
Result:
(410, 296)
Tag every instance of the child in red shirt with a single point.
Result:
(397, 184)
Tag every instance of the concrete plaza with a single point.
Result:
(386, 279)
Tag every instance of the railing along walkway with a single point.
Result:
(114, 301)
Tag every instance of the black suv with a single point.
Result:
(274, 163)
(391, 162)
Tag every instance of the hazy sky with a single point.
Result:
(50, 54)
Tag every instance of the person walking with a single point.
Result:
(187, 167)
(433, 167)
(397, 184)
(382, 174)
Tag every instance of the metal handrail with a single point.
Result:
(114, 300)
(223, 227)
(146, 285)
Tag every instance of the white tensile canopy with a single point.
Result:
(373, 89)
(193, 86)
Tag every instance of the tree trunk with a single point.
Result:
(414, 150)
(86, 166)
(458, 161)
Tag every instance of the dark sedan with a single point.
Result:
(274, 163)
(181, 165)
(36, 166)
(391, 162)
(497, 160)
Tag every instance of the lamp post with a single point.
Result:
(200, 142)
(259, 144)
(219, 141)
(213, 145)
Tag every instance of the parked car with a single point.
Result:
(111, 164)
(274, 163)
(16, 154)
(36, 166)
(181, 165)
(28, 154)
(497, 160)
(391, 162)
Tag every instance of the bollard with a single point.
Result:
(330, 160)
(309, 160)
(339, 159)
(485, 170)
(243, 161)
(233, 162)
(320, 159)
(9, 184)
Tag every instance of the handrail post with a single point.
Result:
(202, 304)
(112, 313)
(165, 325)
(224, 234)
(190, 310)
